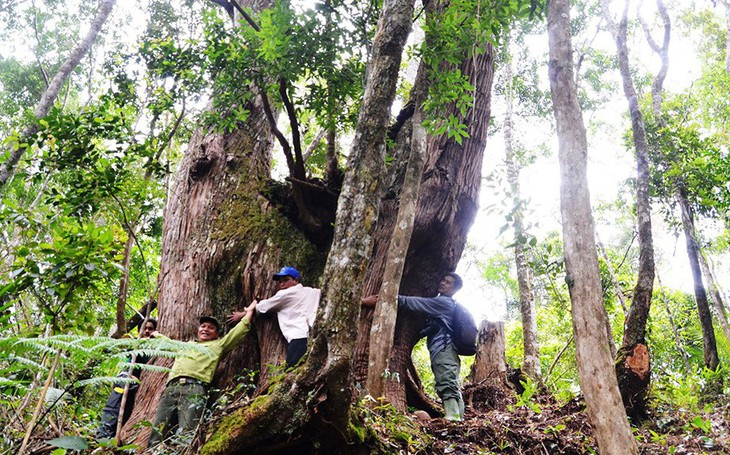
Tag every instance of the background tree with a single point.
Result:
(581, 262)
(632, 366)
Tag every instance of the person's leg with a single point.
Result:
(192, 404)
(166, 410)
(296, 349)
(445, 366)
(110, 414)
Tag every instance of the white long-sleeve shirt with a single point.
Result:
(295, 307)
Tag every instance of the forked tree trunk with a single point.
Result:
(595, 365)
(312, 406)
(709, 344)
(447, 205)
(633, 368)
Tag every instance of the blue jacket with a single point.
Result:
(440, 311)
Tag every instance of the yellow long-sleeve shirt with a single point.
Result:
(201, 363)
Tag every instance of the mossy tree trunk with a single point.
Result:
(309, 410)
(222, 240)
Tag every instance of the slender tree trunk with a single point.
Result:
(709, 345)
(716, 297)
(531, 363)
(384, 319)
(39, 406)
(315, 403)
(632, 366)
(595, 365)
(123, 288)
(54, 88)
(727, 36)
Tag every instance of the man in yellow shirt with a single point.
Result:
(186, 392)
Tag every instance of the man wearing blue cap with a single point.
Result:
(295, 306)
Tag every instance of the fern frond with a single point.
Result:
(36, 344)
(154, 368)
(27, 362)
(104, 380)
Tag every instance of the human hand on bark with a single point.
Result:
(370, 301)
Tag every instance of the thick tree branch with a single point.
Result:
(298, 170)
(245, 15)
(275, 130)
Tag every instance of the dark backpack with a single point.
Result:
(464, 332)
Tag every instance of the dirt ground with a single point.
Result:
(496, 424)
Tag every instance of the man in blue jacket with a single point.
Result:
(445, 362)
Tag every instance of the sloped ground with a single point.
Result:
(496, 424)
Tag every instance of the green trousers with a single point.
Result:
(445, 365)
(182, 402)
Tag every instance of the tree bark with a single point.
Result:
(633, 383)
(531, 347)
(716, 297)
(447, 205)
(490, 363)
(595, 366)
(709, 346)
(315, 403)
(54, 88)
(384, 319)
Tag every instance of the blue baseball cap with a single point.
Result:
(288, 271)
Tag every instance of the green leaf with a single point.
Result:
(69, 442)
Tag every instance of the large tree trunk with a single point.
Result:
(384, 319)
(447, 205)
(633, 368)
(222, 238)
(595, 365)
(54, 88)
(312, 407)
(709, 345)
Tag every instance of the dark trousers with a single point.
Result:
(110, 414)
(181, 400)
(295, 351)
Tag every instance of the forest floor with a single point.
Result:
(498, 424)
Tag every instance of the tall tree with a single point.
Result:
(319, 396)
(595, 366)
(19, 145)
(632, 366)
